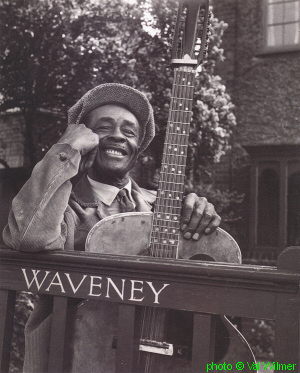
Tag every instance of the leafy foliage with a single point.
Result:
(262, 338)
(35, 72)
(24, 306)
(54, 50)
(50, 53)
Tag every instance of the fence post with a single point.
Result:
(125, 338)
(58, 330)
(203, 341)
(7, 307)
(287, 319)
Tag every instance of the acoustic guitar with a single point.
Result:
(157, 234)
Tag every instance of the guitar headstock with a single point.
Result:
(191, 31)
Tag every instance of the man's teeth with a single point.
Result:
(113, 152)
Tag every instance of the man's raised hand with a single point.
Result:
(83, 139)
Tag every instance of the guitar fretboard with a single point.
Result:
(166, 219)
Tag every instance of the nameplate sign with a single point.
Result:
(145, 282)
(105, 287)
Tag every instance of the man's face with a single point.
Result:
(118, 131)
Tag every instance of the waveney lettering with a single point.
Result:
(119, 289)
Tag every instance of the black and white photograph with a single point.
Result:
(149, 186)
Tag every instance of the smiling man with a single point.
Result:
(107, 129)
(118, 131)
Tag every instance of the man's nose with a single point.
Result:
(117, 135)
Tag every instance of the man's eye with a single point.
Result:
(129, 133)
(102, 128)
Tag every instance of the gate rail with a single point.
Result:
(205, 288)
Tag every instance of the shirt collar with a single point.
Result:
(107, 193)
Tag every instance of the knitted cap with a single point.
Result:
(114, 94)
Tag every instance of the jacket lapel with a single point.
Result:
(83, 194)
(143, 198)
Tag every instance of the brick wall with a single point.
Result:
(264, 87)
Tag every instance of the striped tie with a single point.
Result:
(126, 204)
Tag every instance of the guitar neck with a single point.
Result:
(165, 228)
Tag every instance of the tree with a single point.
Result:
(48, 59)
(28, 76)
(213, 119)
(54, 50)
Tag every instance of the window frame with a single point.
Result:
(286, 156)
(276, 49)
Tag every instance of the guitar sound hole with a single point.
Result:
(204, 257)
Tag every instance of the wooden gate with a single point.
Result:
(205, 288)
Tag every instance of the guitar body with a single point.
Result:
(95, 322)
(129, 234)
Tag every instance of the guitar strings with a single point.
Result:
(149, 314)
(153, 316)
(165, 174)
(162, 185)
(171, 182)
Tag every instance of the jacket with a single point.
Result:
(49, 214)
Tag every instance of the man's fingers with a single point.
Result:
(88, 160)
(83, 213)
(82, 166)
(80, 137)
(213, 225)
(91, 158)
(198, 220)
(76, 207)
(187, 209)
(208, 222)
(198, 216)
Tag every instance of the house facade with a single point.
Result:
(262, 74)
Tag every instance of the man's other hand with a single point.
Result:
(83, 139)
(198, 216)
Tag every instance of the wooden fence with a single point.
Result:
(205, 288)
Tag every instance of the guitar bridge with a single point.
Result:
(162, 348)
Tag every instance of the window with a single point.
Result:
(282, 25)
(275, 197)
(293, 218)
